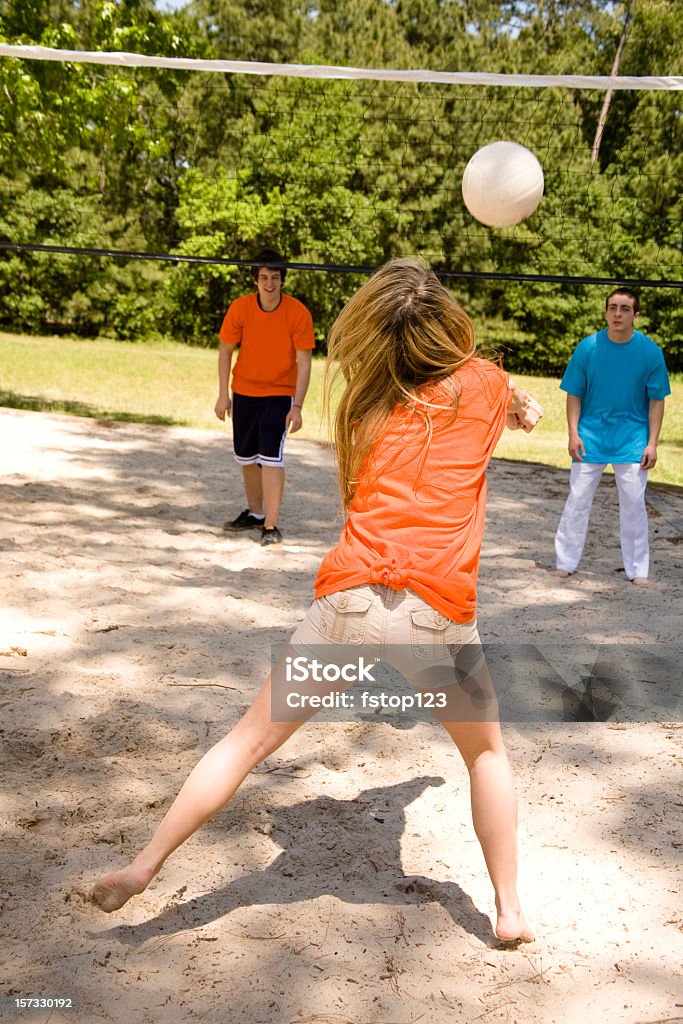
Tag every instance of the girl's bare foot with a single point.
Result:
(513, 927)
(113, 891)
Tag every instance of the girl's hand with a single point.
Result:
(524, 412)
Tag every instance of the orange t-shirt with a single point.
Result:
(266, 361)
(417, 522)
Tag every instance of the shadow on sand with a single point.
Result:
(327, 850)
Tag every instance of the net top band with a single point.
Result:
(327, 71)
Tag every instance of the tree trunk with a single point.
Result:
(602, 121)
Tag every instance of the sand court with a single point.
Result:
(344, 884)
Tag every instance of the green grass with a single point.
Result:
(170, 383)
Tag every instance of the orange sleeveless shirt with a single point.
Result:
(417, 518)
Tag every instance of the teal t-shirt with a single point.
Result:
(615, 384)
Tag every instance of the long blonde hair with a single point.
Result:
(401, 330)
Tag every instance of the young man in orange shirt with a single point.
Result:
(274, 333)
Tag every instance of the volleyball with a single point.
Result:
(502, 184)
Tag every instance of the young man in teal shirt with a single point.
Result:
(616, 383)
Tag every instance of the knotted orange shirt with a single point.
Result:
(417, 518)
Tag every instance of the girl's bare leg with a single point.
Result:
(494, 814)
(207, 789)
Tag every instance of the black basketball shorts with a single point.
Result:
(258, 429)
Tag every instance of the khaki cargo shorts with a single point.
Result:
(345, 635)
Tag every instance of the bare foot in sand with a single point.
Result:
(640, 581)
(513, 927)
(563, 573)
(113, 891)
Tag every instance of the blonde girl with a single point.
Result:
(415, 427)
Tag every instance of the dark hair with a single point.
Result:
(625, 291)
(271, 260)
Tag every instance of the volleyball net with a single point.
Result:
(195, 163)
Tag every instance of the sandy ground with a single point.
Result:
(344, 884)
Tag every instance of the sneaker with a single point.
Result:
(271, 535)
(244, 521)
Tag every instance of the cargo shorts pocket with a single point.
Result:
(431, 633)
(343, 617)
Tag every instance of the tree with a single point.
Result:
(332, 171)
(104, 144)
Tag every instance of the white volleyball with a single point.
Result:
(502, 184)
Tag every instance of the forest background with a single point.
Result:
(215, 165)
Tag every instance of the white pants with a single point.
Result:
(571, 533)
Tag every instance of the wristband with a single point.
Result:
(295, 406)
